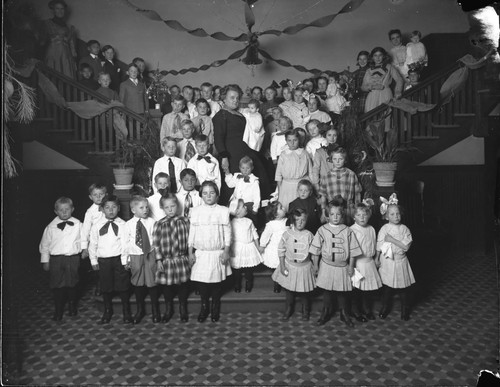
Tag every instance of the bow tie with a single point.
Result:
(61, 225)
(246, 179)
(104, 229)
(207, 158)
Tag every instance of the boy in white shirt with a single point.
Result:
(186, 148)
(107, 255)
(92, 216)
(206, 89)
(170, 164)
(138, 239)
(246, 187)
(161, 184)
(254, 128)
(188, 195)
(60, 249)
(203, 163)
(171, 122)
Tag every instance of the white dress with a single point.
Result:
(364, 263)
(314, 144)
(270, 239)
(254, 130)
(209, 234)
(244, 253)
(395, 272)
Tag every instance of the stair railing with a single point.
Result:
(421, 124)
(98, 131)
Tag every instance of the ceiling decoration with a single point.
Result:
(251, 38)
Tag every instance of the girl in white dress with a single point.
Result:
(316, 140)
(210, 236)
(364, 289)
(244, 252)
(393, 241)
(271, 236)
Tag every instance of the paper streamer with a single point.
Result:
(284, 63)
(318, 23)
(200, 32)
(217, 63)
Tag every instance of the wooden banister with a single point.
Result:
(428, 91)
(98, 131)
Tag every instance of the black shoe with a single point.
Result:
(325, 316)
(97, 291)
(203, 312)
(237, 289)
(384, 312)
(139, 316)
(169, 312)
(306, 312)
(405, 313)
(215, 311)
(127, 318)
(288, 313)
(277, 288)
(370, 316)
(197, 292)
(361, 317)
(57, 316)
(344, 317)
(106, 317)
(72, 311)
(248, 286)
(183, 312)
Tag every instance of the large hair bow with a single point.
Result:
(368, 202)
(393, 199)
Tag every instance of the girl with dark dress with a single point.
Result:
(360, 95)
(229, 126)
(60, 37)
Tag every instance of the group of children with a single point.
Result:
(182, 234)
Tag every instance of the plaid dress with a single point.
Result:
(170, 240)
(342, 182)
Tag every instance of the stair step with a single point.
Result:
(60, 131)
(425, 137)
(101, 153)
(447, 126)
(81, 141)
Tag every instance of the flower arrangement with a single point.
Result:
(158, 85)
(417, 67)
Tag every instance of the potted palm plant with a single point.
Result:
(386, 149)
(123, 163)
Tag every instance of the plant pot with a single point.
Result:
(384, 173)
(123, 176)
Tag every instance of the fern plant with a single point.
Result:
(384, 142)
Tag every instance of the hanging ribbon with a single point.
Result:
(288, 64)
(200, 32)
(174, 24)
(217, 63)
(319, 23)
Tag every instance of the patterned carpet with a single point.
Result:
(452, 335)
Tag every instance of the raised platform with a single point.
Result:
(260, 299)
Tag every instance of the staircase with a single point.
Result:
(433, 131)
(92, 142)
